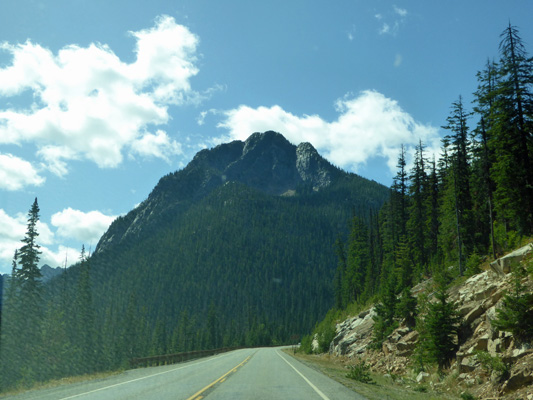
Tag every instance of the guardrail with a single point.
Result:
(168, 359)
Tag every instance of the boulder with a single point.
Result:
(407, 343)
(475, 313)
(481, 343)
(522, 376)
(422, 377)
(504, 264)
(468, 364)
(494, 346)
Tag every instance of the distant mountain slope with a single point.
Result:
(235, 248)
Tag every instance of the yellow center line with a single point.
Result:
(221, 379)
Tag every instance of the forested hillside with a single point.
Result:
(235, 249)
(446, 216)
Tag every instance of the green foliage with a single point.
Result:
(325, 331)
(473, 264)
(306, 345)
(467, 396)
(507, 240)
(493, 364)
(438, 328)
(516, 313)
(407, 308)
(22, 342)
(384, 320)
(360, 372)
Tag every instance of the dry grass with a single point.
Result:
(60, 382)
(385, 387)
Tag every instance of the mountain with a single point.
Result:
(48, 272)
(236, 248)
(265, 161)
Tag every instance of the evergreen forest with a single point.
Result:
(240, 267)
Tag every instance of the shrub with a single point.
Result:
(467, 396)
(306, 345)
(326, 330)
(493, 364)
(360, 372)
(516, 313)
(473, 264)
(438, 329)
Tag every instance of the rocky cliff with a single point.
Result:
(489, 363)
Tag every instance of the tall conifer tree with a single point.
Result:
(512, 139)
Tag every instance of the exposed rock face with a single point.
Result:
(265, 161)
(353, 335)
(477, 299)
(504, 264)
(312, 168)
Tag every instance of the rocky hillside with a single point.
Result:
(489, 364)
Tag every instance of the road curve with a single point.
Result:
(263, 373)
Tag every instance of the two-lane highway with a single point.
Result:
(264, 373)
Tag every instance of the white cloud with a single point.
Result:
(84, 227)
(16, 173)
(368, 125)
(402, 12)
(351, 33)
(385, 28)
(398, 60)
(390, 25)
(12, 230)
(59, 257)
(88, 104)
(158, 145)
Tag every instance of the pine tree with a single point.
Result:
(399, 195)
(384, 320)
(459, 184)
(432, 225)
(483, 154)
(516, 313)
(512, 116)
(416, 228)
(86, 333)
(30, 298)
(441, 325)
(10, 362)
(341, 295)
(406, 308)
(357, 258)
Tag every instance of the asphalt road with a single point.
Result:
(264, 373)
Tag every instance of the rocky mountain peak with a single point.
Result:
(265, 161)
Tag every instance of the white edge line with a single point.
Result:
(307, 380)
(137, 379)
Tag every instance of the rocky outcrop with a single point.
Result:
(353, 335)
(312, 168)
(477, 300)
(503, 265)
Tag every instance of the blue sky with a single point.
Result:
(100, 99)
